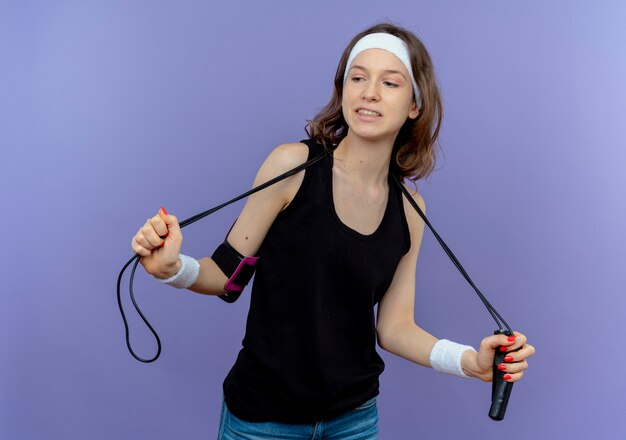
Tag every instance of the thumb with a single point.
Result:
(173, 227)
(490, 344)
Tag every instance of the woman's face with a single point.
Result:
(377, 96)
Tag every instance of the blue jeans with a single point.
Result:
(360, 423)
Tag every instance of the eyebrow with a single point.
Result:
(356, 66)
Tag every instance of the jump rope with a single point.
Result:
(500, 390)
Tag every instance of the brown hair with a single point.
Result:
(414, 148)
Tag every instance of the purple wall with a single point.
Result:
(109, 110)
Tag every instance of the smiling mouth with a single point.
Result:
(366, 112)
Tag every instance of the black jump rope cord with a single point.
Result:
(494, 313)
(500, 389)
(182, 224)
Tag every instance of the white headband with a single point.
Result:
(390, 43)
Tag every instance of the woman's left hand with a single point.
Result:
(480, 364)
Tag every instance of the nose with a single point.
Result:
(371, 92)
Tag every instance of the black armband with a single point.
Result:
(236, 267)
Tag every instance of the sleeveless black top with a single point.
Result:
(309, 352)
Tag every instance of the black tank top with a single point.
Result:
(309, 352)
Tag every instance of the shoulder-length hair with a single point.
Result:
(414, 147)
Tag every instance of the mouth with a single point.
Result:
(368, 112)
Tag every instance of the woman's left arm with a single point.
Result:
(398, 333)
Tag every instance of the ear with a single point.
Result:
(414, 111)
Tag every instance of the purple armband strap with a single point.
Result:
(238, 268)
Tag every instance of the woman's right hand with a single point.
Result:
(158, 243)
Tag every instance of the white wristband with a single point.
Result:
(186, 275)
(446, 357)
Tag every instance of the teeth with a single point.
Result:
(367, 112)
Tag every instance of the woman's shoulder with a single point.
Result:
(415, 222)
(416, 196)
(281, 159)
(293, 153)
(287, 156)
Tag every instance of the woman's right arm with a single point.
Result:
(159, 256)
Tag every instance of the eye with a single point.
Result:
(390, 84)
(357, 79)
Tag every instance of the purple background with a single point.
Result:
(109, 110)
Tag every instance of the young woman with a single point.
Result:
(333, 241)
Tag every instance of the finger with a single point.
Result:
(521, 354)
(513, 377)
(488, 347)
(140, 241)
(513, 343)
(515, 367)
(173, 228)
(140, 250)
(520, 340)
(151, 236)
(495, 341)
(529, 349)
(159, 226)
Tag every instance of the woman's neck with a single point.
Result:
(366, 161)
